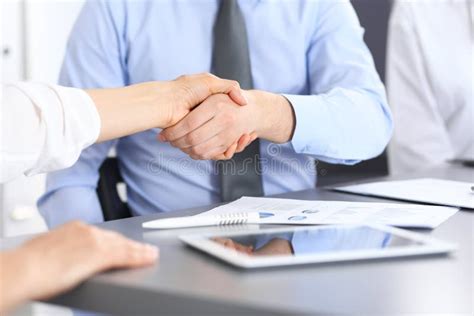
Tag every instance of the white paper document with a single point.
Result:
(433, 191)
(302, 212)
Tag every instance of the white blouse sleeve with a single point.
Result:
(44, 128)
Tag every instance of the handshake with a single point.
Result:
(211, 118)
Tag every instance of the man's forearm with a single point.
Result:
(277, 119)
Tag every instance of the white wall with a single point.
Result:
(12, 41)
(35, 33)
(48, 24)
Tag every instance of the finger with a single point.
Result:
(140, 255)
(214, 146)
(253, 136)
(243, 142)
(219, 157)
(193, 120)
(131, 254)
(231, 151)
(229, 87)
(201, 134)
(237, 96)
(228, 154)
(204, 153)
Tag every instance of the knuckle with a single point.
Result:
(207, 75)
(77, 225)
(208, 78)
(92, 237)
(193, 152)
(189, 123)
(235, 84)
(183, 77)
(190, 139)
(199, 153)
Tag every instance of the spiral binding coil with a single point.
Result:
(233, 219)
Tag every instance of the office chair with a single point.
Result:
(373, 16)
(112, 206)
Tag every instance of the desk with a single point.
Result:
(190, 283)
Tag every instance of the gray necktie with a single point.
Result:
(230, 60)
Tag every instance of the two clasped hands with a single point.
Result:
(204, 116)
(210, 118)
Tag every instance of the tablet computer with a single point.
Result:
(315, 244)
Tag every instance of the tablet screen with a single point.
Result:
(313, 241)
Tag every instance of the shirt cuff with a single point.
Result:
(314, 129)
(69, 123)
(311, 123)
(82, 107)
(81, 128)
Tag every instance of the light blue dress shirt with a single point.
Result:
(325, 239)
(310, 51)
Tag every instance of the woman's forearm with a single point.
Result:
(125, 111)
(136, 108)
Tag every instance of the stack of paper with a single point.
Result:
(432, 191)
(301, 212)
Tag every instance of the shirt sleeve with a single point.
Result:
(420, 138)
(44, 127)
(95, 58)
(338, 239)
(346, 118)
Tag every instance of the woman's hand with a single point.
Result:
(190, 91)
(59, 260)
(139, 107)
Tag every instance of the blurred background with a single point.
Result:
(33, 40)
(34, 35)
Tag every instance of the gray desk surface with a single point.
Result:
(188, 282)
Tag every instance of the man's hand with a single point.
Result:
(212, 128)
(219, 127)
(59, 260)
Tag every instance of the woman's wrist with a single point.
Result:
(154, 102)
(132, 109)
